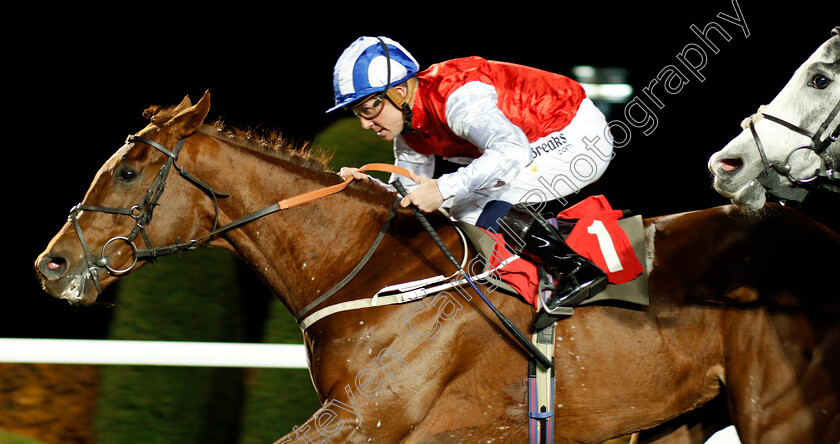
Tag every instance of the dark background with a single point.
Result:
(80, 80)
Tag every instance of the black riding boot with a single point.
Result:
(575, 277)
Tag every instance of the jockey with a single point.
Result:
(517, 136)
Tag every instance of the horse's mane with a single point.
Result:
(272, 143)
(269, 142)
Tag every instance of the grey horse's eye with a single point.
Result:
(820, 81)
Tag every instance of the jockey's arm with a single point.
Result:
(471, 113)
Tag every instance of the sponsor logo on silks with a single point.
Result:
(556, 142)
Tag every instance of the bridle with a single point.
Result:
(142, 214)
(822, 177)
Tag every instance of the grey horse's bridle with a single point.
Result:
(770, 177)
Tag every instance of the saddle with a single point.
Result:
(523, 278)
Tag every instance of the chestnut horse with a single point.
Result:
(742, 307)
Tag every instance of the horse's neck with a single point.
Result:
(300, 252)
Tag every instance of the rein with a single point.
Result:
(142, 213)
(770, 178)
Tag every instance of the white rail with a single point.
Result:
(167, 353)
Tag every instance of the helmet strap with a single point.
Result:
(404, 103)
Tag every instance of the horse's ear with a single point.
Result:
(190, 117)
(835, 31)
(185, 103)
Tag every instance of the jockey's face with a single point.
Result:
(380, 115)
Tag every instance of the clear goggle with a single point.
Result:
(370, 107)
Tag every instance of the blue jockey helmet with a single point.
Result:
(368, 66)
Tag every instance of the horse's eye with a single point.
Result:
(126, 174)
(820, 81)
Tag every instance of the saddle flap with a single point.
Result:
(636, 290)
(521, 277)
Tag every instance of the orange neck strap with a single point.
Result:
(317, 194)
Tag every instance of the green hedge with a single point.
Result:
(194, 298)
(11, 438)
(277, 399)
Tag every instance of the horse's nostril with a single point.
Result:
(53, 267)
(730, 165)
